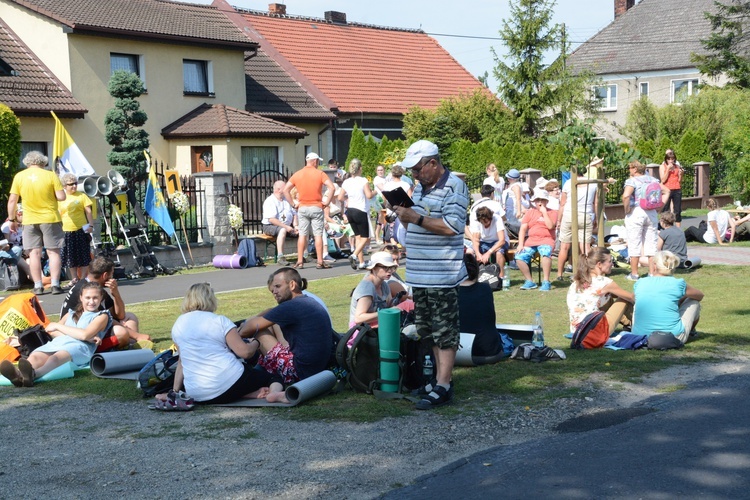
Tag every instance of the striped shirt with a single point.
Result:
(433, 260)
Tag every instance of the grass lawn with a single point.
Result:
(723, 328)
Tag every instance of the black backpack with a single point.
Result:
(31, 338)
(490, 273)
(157, 376)
(361, 360)
(9, 278)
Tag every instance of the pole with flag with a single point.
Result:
(156, 207)
(68, 156)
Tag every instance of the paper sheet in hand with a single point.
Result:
(398, 197)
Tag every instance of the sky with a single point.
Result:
(466, 30)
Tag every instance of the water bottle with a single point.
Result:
(427, 369)
(506, 277)
(537, 339)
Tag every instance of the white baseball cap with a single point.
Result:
(417, 151)
(312, 156)
(540, 194)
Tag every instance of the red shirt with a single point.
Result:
(309, 182)
(537, 232)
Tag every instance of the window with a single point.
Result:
(606, 95)
(197, 77)
(125, 62)
(643, 89)
(28, 147)
(257, 158)
(682, 89)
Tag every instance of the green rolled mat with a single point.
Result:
(389, 339)
(59, 373)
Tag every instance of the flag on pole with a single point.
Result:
(68, 157)
(155, 204)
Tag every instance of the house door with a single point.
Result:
(202, 159)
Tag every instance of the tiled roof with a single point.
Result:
(31, 88)
(651, 36)
(363, 68)
(160, 19)
(223, 121)
(272, 92)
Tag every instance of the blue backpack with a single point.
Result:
(157, 376)
(248, 250)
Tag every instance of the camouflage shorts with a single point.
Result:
(437, 315)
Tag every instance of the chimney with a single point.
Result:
(335, 17)
(622, 6)
(278, 9)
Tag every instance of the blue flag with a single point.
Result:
(155, 204)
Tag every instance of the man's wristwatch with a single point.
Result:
(420, 221)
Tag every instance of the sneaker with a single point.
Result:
(632, 277)
(546, 286)
(353, 262)
(439, 396)
(39, 290)
(362, 265)
(281, 260)
(57, 290)
(528, 285)
(328, 258)
(568, 268)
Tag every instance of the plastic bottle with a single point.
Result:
(506, 277)
(427, 369)
(537, 339)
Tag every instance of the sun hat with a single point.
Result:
(417, 151)
(384, 259)
(541, 182)
(312, 156)
(540, 194)
(525, 187)
(513, 174)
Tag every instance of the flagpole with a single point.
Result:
(187, 241)
(181, 252)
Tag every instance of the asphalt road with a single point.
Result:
(693, 443)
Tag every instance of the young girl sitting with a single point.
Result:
(75, 339)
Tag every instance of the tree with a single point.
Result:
(641, 123)
(542, 97)
(10, 148)
(728, 43)
(122, 125)
(356, 145)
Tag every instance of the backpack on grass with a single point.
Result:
(31, 338)
(592, 332)
(157, 376)
(358, 352)
(650, 196)
(490, 273)
(249, 250)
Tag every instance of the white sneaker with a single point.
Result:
(631, 277)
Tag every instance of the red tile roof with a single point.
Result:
(272, 92)
(364, 68)
(31, 89)
(219, 120)
(160, 19)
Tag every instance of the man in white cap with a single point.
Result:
(434, 261)
(309, 182)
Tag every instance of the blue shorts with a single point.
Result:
(484, 246)
(528, 252)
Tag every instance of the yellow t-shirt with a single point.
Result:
(36, 187)
(72, 210)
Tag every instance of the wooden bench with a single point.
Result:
(267, 240)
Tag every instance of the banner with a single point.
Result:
(68, 157)
(155, 204)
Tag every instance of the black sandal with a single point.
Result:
(438, 397)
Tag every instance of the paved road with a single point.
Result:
(222, 280)
(687, 444)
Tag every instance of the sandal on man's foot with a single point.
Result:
(9, 371)
(323, 265)
(438, 397)
(27, 372)
(425, 389)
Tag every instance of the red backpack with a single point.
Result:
(592, 332)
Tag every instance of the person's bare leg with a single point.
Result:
(276, 393)
(359, 250)
(562, 257)
(500, 258)
(35, 264)
(444, 361)
(546, 267)
(55, 264)
(301, 243)
(280, 240)
(43, 363)
(634, 265)
(319, 248)
(524, 268)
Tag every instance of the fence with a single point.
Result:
(249, 192)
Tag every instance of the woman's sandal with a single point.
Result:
(176, 401)
(298, 265)
(324, 265)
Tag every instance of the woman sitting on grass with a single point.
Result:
(718, 227)
(209, 346)
(664, 303)
(75, 338)
(476, 311)
(593, 291)
(373, 293)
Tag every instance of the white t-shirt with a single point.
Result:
(488, 234)
(586, 196)
(553, 203)
(209, 366)
(499, 186)
(722, 223)
(274, 208)
(355, 193)
(493, 205)
(378, 182)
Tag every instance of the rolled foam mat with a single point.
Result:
(120, 364)
(691, 263)
(312, 387)
(59, 373)
(389, 338)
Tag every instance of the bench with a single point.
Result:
(267, 240)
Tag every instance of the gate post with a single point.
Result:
(216, 211)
